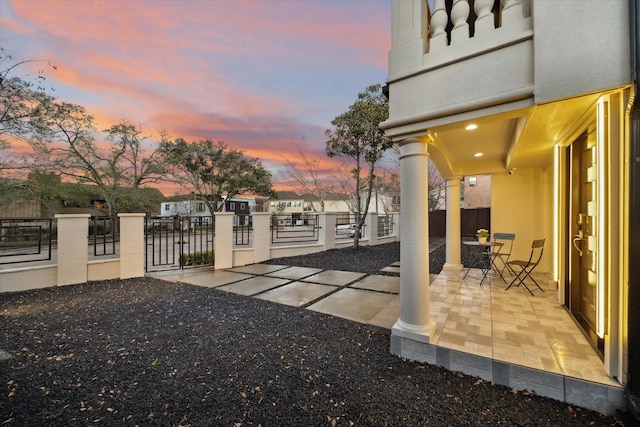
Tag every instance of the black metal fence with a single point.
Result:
(297, 228)
(346, 226)
(104, 233)
(179, 242)
(242, 228)
(26, 239)
(385, 225)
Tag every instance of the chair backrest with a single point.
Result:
(537, 244)
(510, 237)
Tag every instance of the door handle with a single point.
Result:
(577, 238)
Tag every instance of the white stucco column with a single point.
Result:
(453, 258)
(223, 240)
(131, 245)
(327, 230)
(73, 248)
(261, 236)
(414, 322)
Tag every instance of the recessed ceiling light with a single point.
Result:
(478, 155)
(472, 126)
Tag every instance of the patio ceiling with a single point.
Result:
(517, 139)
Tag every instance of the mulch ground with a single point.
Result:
(150, 352)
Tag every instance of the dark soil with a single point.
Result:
(150, 352)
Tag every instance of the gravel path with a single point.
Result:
(150, 352)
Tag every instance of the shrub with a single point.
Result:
(197, 258)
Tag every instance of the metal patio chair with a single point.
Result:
(527, 267)
(503, 253)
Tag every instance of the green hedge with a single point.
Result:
(198, 258)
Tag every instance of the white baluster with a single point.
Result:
(459, 17)
(512, 12)
(484, 20)
(439, 20)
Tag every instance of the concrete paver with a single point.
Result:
(254, 285)
(378, 282)
(297, 294)
(294, 273)
(354, 304)
(258, 268)
(203, 277)
(334, 277)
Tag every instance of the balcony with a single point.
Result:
(522, 71)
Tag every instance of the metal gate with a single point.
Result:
(178, 242)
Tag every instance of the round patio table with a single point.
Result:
(481, 257)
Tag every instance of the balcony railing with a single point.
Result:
(465, 19)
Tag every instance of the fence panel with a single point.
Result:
(242, 228)
(301, 228)
(385, 225)
(104, 233)
(346, 226)
(470, 221)
(26, 239)
(179, 242)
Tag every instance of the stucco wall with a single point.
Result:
(519, 204)
(579, 58)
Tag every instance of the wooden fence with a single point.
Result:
(470, 221)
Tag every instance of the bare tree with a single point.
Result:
(140, 165)
(308, 174)
(437, 187)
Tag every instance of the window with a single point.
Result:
(232, 206)
(473, 181)
(200, 207)
(243, 206)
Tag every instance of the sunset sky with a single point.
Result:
(264, 76)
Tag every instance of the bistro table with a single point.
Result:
(481, 257)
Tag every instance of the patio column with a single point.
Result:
(414, 322)
(453, 258)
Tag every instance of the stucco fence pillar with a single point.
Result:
(261, 236)
(223, 240)
(73, 252)
(327, 230)
(371, 229)
(132, 245)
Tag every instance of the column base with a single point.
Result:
(452, 267)
(420, 333)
